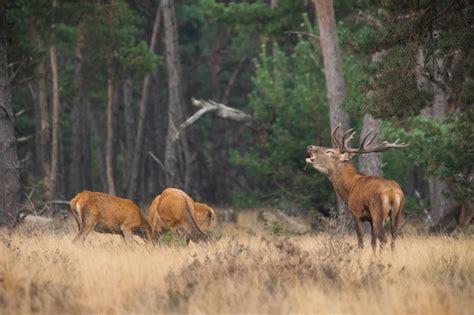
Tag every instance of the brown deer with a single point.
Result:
(105, 213)
(369, 198)
(173, 209)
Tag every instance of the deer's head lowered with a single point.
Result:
(328, 160)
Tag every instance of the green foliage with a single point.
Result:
(356, 76)
(111, 33)
(442, 147)
(395, 85)
(289, 103)
(243, 15)
(173, 237)
(247, 199)
(400, 31)
(275, 228)
(256, 16)
(414, 206)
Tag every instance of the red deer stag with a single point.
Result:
(369, 198)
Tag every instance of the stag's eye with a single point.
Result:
(329, 152)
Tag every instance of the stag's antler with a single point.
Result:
(366, 141)
(335, 142)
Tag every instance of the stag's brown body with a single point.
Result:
(108, 214)
(369, 198)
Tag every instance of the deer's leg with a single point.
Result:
(148, 235)
(394, 228)
(374, 236)
(358, 226)
(76, 217)
(382, 237)
(88, 224)
(378, 230)
(127, 234)
(396, 216)
(127, 231)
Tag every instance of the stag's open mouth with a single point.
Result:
(315, 163)
(312, 157)
(311, 160)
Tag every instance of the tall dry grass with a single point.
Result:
(41, 271)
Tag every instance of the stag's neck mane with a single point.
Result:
(344, 178)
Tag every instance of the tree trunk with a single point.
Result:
(56, 176)
(130, 128)
(441, 198)
(336, 89)
(100, 149)
(217, 180)
(43, 133)
(370, 164)
(159, 127)
(9, 167)
(109, 145)
(177, 155)
(140, 135)
(80, 174)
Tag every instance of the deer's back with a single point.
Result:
(110, 211)
(372, 189)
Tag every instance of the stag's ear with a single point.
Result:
(346, 156)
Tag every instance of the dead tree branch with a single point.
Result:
(224, 111)
(220, 110)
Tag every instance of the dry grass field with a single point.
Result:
(41, 271)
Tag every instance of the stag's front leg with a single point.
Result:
(358, 226)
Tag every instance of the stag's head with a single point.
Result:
(327, 160)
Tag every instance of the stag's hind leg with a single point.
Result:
(378, 212)
(76, 212)
(396, 218)
(381, 236)
(358, 227)
(88, 224)
(374, 237)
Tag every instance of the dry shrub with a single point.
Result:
(24, 292)
(274, 266)
(43, 272)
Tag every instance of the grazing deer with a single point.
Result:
(105, 213)
(369, 198)
(205, 215)
(174, 209)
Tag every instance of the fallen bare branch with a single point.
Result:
(25, 138)
(58, 202)
(221, 110)
(224, 111)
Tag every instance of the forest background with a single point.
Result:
(99, 93)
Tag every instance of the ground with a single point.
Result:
(245, 271)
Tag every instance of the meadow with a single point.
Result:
(42, 271)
